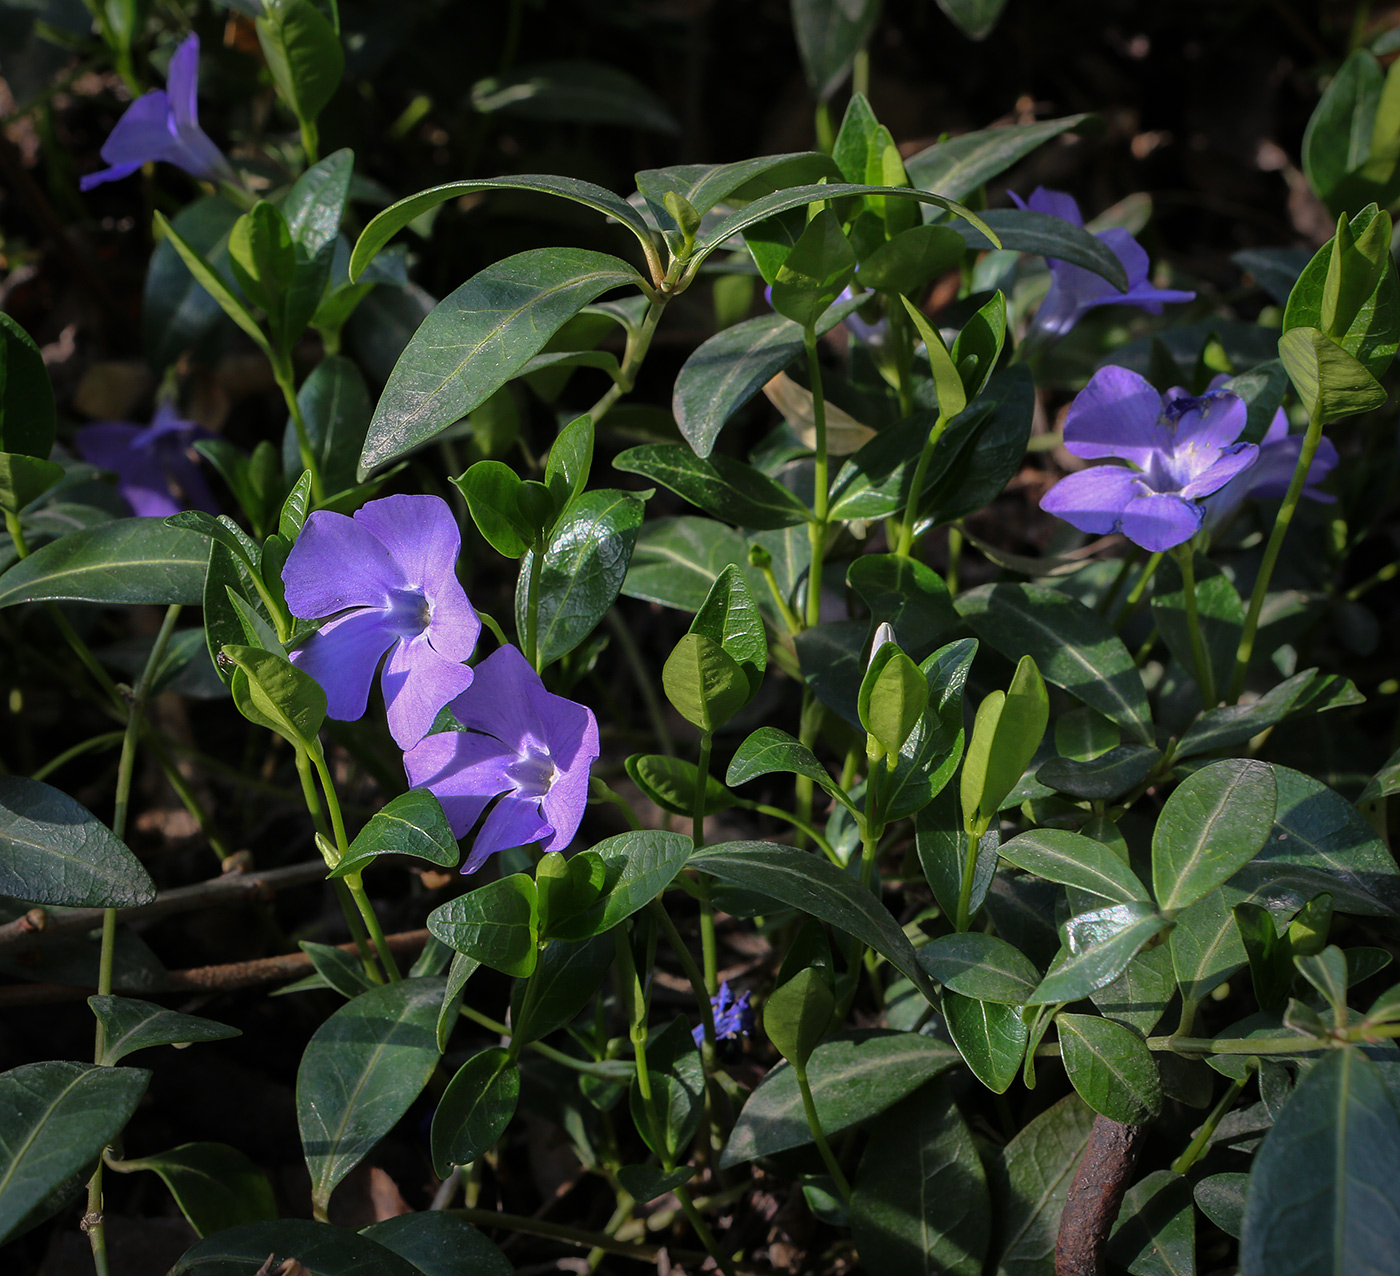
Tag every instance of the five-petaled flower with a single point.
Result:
(157, 469)
(1074, 290)
(524, 746)
(1179, 450)
(733, 1015)
(164, 125)
(387, 580)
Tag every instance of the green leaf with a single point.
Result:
(1030, 1182)
(497, 924)
(958, 166)
(671, 782)
(934, 748)
(1073, 647)
(132, 1025)
(177, 312)
(1330, 383)
(980, 966)
(1212, 825)
(262, 257)
(905, 594)
(479, 337)
(974, 18)
(990, 1036)
(334, 968)
(829, 35)
(798, 1013)
(731, 618)
(1155, 1234)
(315, 205)
(320, 1249)
(1138, 997)
(704, 683)
(475, 1109)
(854, 1076)
(54, 851)
(393, 219)
(677, 560)
(213, 283)
(215, 1186)
(55, 1118)
(1327, 972)
(1021, 230)
(721, 486)
(574, 92)
(1007, 732)
(771, 749)
(1232, 725)
(272, 692)
(438, 1244)
(27, 419)
(303, 53)
(912, 259)
(583, 569)
(565, 980)
(410, 824)
(335, 404)
(702, 186)
(919, 1202)
(1205, 943)
(566, 887)
(893, 697)
(1337, 141)
(1110, 1067)
(814, 271)
(1103, 778)
(1097, 948)
(126, 560)
(360, 1072)
(569, 461)
(1219, 610)
(24, 479)
(492, 492)
(645, 1183)
(461, 969)
(637, 868)
(1221, 1199)
(948, 385)
(818, 888)
(1322, 1191)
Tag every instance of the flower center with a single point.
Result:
(409, 612)
(533, 772)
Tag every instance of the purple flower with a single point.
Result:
(156, 467)
(1073, 290)
(387, 579)
(164, 125)
(1179, 450)
(733, 1016)
(526, 747)
(1269, 476)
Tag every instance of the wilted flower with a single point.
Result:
(164, 125)
(1074, 290)
(157, 469)
(733, 1015)
(524, 746)
(387, 579)
(1179, 450)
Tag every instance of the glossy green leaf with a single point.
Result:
(974, 18)
(721, 486)
(646, 1182)
(912, 259)
(919, 1200)
(677, 560)
(671, 783)
(934, 747)
(703, 682)
(24, 479)
(320, 1249)
(177, 312)
(497, 924)
(731, 618)
(1005, 735)
(1322, 1194)
(1337, 141)
(980, 966)
(479, 337)
(303, 53)
(567, 887)
(132, 1025)
(27, 420)
(335, 403)
(1048, 236)
(771, 749)
(1221, 1199)
(1030, 1182)
(958, 166)
(814, 271)
(410, 824)
(816, 887)
(215, 1186)
(798, 1013)
(55, 1118)
(1138, 997)
(1097, 948)
(334, 967)
(854, 1076)
(829, 35)
(1327, 972)
(1330, 383)
(948, 385)
(583, 569)
(126, 560)
(893, 697)
(990, 1036)
(703, 186)
(637, 868)
(565, 980)
(213, 283)
(439, 1244)
(492, 492)
(1232, 725)
(569, 462)
(1073, 647)
(1106, 777)
(272, 692)
(360, 1072)
(262, 257)
(475, 1109)
(1110, 1067)
(1155, 1234)
(1212, 825)
(55, 851)
(1205, 943)
(905, 594)
(574, 91)
(461, 970)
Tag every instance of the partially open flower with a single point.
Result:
(733, 1016)
(156, 465)
(163, 125)
(524, 746)
(387, 578)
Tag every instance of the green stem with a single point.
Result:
(702, 1229)
(1106, 602)
(104, 741)
(532, 606)
(355, 883)
(638, 344)
(285, 376)
(1205, 676)
(1135, 599)
(969, 876)
(656, 711)
(1198, 1145)
(816, 529)
(826, 134)
(1245, 651)
(790, 618)
(819, 1135)
(804, 826)
(916, 487)
(955, 549)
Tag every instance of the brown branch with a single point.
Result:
(1095, 1195)
(228, 889)
(31, 923)
(236, 974)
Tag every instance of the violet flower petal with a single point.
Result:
(464, 770)
(513, 821)
(337, 563)
(342, 656)
(1210, 424)
(504, 699)
(417, 683)
(567, 798)
(182, 83)
(1159, 521)
(1093, 500)
(1231, 462)
(1118, 414)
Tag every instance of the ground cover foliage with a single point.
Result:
(741, 638)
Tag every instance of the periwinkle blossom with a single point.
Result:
(156, 465)
(387, 580)
(733, 1016)
(523, 746)
(1074, 291)
(1179, 450)
(163, 125)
